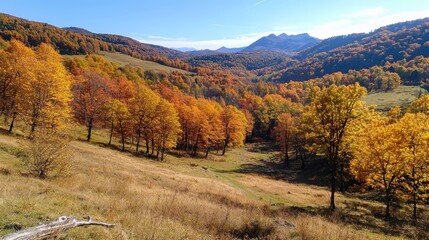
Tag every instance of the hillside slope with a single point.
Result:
(219, 198)
(357, 51)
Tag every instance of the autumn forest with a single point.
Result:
(300, 114)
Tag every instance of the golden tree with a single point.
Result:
(143, 110)
(48, 95)
(413, 130)
(234, 127)
(17, 68)
(120, 118)
(377, 159)
(326, 122)
(167, 127)
(285, 131)
(420, 105)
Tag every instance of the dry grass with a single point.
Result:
(173, 200)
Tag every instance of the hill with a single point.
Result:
(75, 41)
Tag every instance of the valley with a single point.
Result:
(306, 131)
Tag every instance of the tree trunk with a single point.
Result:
(111, 134)
(415, 205)
(224, 147)
(332, 204)
(342, 178)
(33, 128)
(196, 145)
(286, 163)
(162, 154)
(301, 155)
(207, 152)
(123, 143)
(153, 146)
(186, 140)
(138, 141)
(387, 214)
(147, 143)
(51, 229)
(13, 121)
(88, 137)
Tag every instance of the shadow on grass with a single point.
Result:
(315, 172)
(365, 216)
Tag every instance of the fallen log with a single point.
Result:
(45, 230)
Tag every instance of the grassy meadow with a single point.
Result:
(123, 60)
(245, 193)
(400, 96)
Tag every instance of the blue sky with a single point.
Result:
(211, 24)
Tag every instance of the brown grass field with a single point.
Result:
(244, 194)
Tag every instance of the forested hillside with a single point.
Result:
(403, 41)
(233, 147)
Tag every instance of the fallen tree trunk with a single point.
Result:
(60, 225)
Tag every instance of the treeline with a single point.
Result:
(243, 64)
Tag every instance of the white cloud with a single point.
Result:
(232, 42)
(259, 2)
(355, 22)
(370, 12)
(363, 21)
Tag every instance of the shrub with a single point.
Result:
(47, 154)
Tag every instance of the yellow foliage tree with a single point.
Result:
(143, 110)
(234, 127)
(48, 95)
(17, 68)
(413, 130)
(376, 159)
(326, 122)
(167, 127)
(120, 118)
(420, 105)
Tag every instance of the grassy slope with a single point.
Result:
(182, 198)
(123, 60)
(400, 96)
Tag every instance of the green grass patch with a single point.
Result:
(401, 96)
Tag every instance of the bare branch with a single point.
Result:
(42, 231)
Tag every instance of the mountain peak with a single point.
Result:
(289, 44)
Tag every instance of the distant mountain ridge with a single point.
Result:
(290, 44)
(229, 50)
(279, 58)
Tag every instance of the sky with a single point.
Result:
(204, 24)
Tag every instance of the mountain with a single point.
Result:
(289, 44)
(185, 49)
(229, 50)
(392, 43)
